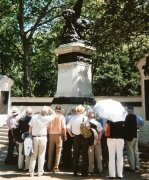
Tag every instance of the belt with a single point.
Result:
(39, 136)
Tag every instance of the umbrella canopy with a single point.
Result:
(111, 110)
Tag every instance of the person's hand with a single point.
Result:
(65, 138)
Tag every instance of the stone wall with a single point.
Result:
(37, 103)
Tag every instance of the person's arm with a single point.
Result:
(51, 111)
(30, 130)
(70, 133)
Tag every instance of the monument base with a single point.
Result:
(74, 76)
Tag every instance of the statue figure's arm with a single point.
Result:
(77, 8)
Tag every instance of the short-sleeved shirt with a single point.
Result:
(39, 124)
(57, 124)
(98, 125)
(11, 122)
(75, 122)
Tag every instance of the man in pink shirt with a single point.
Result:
(57, 132)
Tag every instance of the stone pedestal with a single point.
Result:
(74, 76)
(5, 91)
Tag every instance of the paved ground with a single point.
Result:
(10, 171)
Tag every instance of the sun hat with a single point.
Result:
(80, 109)
(15, 111)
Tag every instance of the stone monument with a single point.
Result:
(74, 62)
(5, 91)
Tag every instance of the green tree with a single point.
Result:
(121, 28)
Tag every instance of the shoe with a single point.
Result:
(90, 173)
(75, 175)
(119, 178)
(137, 168)
(20, 170)
(84, 175)
(31, 174)
(40, 174)
(112, 178)
(25, 170)
(56, 169)
(49, 170)
(131, 170)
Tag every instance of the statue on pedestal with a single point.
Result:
(75, 28)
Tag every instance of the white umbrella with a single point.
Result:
(111, 110)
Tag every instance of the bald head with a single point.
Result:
(29, 111)
(44, 110)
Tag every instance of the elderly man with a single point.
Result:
(38, 129)
(11, 123)
(56, 131)
(23, 127)
(131, 136)
(95, 152)
(80, 143)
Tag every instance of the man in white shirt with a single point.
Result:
(80, 143)
(38, 128)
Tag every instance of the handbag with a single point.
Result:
(85, 130)
(107, 130)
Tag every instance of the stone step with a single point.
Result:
(3, 133)
(4, 138)
(3, 141)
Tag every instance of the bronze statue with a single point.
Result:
(75, 28)
(146, 67)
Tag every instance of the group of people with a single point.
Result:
(52, 138)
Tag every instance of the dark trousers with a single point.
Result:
(104, 147)
(11, 145)
(81, 146)
(67, 152)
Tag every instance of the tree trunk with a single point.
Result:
(26, 78)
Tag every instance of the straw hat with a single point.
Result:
(80, 109)
(15, 111)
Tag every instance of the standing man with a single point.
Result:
(38, 130)
(95, 152)
(131, 136)
(11, 123)
(23, 126)
(80, 143)
(57, 133)
(68, 145)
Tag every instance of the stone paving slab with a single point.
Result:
(10, 171)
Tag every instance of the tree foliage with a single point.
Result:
(29, 34)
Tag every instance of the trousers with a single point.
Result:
(39, 150)
(132, 153)
(54, 140)
(95, 155)
(115, 147)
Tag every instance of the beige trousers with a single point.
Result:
(95, 155)
(39, 150)
(55, 140)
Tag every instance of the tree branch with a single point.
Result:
(20, 18)
(43, 13)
